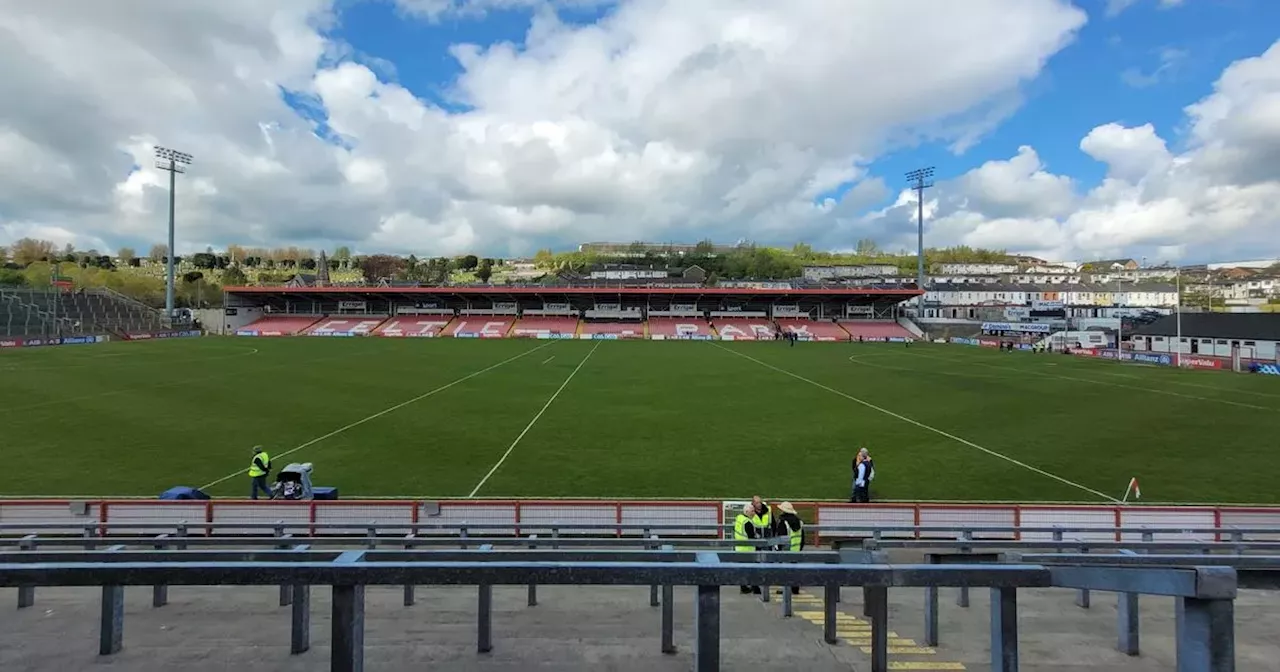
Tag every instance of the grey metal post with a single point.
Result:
(348, 629)
(286, 590)
(462, 536)
(653, 588)
(533, 587)
(962, 600)
(1004, 630)
(866, 601)
(879, 628)
(111, 632)
(90, 532)
(786, 602)
(169, 265)
(668, 620)
(1127, 624)
(829, 593)
(409, 597)
(1206, 635)
(160, 591)
(1128, 617)
(300, 623)
(668, 613)
(706, 650)
(27, 594)
(484, 619)
(931, 616)
(1082, 598)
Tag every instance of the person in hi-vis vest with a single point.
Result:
(259, 467)
(790, 526)
(743, 530)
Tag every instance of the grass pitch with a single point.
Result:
(432, 418)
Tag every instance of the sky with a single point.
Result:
(1067, 130)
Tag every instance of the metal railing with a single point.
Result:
(872, 536)
(1205, 594)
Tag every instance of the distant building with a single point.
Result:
(628, 272)
(1110, 266)
(975, 269)
(841, 272)
(639, 249)
(1252, 335)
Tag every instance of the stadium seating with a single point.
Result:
(413, 327)
(345, 325)
(536, 326)
(617, 329)
(877, 330)
(813, 330)
(480, 326)
(744, 328)
(679, 327)
(19, 319)
(278, 325)
(32, 313)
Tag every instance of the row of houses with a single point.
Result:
(1084, 295)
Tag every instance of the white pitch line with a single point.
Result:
(545, 361)
(381, 413)
(921, 425)
(1110, 384)
(497, 465)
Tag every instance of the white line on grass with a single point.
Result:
(548, 360)
(921, 425)
(532, 422)
(381, 413)
(1108, 383)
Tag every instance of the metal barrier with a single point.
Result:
(886, 534)
(1205, 594)
(608, 516)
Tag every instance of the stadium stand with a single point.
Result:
(875, 330)
(31, 313)
(21, 319)
(618, 329)
(813, 330)
(537, 326)
(480, 326)
(421, 327)
(680, 327)
(744, 329)
(278, 325)
(345, 325)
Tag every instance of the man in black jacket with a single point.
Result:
(789, 525)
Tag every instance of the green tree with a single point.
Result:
(234, 277)
(468, 262)
(484, 272)
(126, 255)
(343, 253)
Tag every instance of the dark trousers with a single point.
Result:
(861, 494)
(259, 483)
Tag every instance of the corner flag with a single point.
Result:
(1133, 487)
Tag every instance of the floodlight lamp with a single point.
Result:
(172, 155)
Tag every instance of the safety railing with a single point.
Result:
(871, 536)
(909, 519)
(1205, 594)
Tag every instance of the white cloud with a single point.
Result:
(668, 119)
(1219, 197)
(1115, 7)
(1169, 60)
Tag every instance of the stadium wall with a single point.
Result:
(223, 517)
(45, 342)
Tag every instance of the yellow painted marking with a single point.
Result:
(906, 650)
(925, 665)
(866, 641)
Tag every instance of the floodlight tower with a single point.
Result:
(920, 180)
(174, 162)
